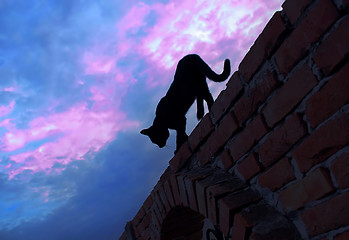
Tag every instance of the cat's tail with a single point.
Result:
(218, 77)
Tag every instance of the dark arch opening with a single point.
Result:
(182, 223)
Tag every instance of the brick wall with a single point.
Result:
(271, 159)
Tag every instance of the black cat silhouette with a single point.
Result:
(189, 84)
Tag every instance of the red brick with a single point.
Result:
(227, 160)
(191, 194)
(175, 189)
(321, 16)
(223, 133)
(282, 139)
(327, 216)
(250, 166)
(254, 131)
(200, 132)
(295, 8)
(239, 227)
(278, 175)
(201, 196)
(263, 47)
(287, 98)
(164, 199)
(148, 203)
(168, 192)
(334, 48)
(139, 216)
(182, 191)
(312, 187)
(226, 98)
(181, 157)
(230, 204)
(340, 170)
(217, 140)
(159, 205)
(215, 191)
(324, 142)
(257, 93)
(342, 236)
(331, 97)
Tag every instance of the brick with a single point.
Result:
(226, 98)
(240, 226)
(175, 189)
(312, 187)
(254, 131)
(255, 95)
(191, 194)
(321, 16)
(340, 170)
(282, 139)
(250, 166)
(334, 48)
(148, 203)
(291, 94)
(329, 215)
(168, 192)
(263, 47)
(181, 157)
(164, 199)
(223, 133)
(214, 192)
(342, 236)
(139, 216)
(200, 132)
(324, 142)
(204, 155)
(230, 204)
(182, 191)
(227, 160)
(278, 175)
(295, 8)
(158, 205)
(331, 97)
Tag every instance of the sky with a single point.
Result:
(78, 81)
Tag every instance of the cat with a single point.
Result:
(189, 84)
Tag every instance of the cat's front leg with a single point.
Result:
(200, 108)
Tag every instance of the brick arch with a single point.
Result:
(276, 139)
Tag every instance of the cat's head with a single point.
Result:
(157, 135)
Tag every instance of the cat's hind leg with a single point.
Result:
(199, 107)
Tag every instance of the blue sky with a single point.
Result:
(78, 81)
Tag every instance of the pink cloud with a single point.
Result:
(5, 110)
(98, 64)
(191, 26)
(79, 131)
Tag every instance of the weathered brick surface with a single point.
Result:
(340, 170)
(329, 98)
(334, 48)
(227, 160)
(240, 226)
(278, 175)
(168, 192)
(181, 157)
(226, 98)
(294, 90)
(232, 203)
(324, 142)
(224, 132)
(175, 189)
(282, 139)
(254, 131)
(189, 184)
(294, 8)
(256, 94)
(342, 236)
(250, 166)
(200, 132)
(318, 20)
(263, 47)
(182, 191)
(326, 216)
(314, 186)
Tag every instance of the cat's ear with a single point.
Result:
(145, 132)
